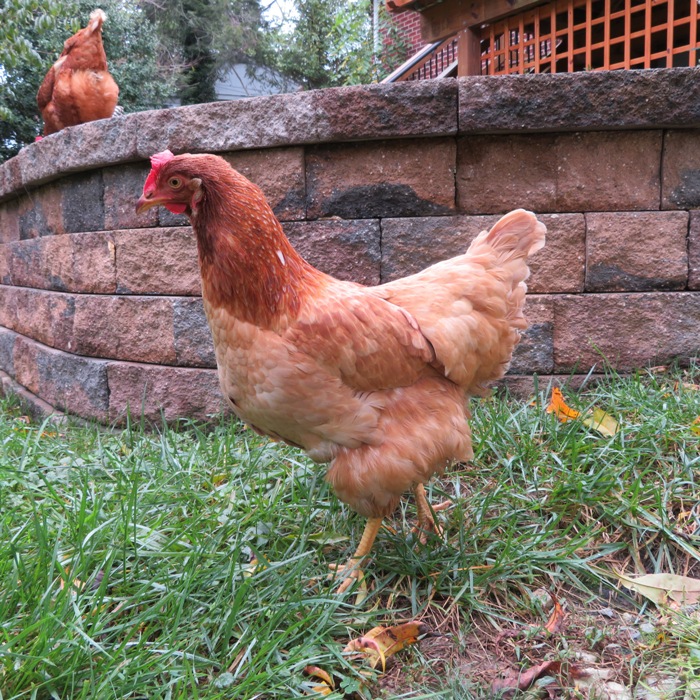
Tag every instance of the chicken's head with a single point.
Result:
(170, 184)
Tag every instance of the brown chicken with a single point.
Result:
(78, 88)
(374, 380)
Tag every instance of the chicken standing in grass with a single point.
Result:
(78, 87)
(374, 380)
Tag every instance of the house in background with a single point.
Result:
(496, 37)
(243, 80)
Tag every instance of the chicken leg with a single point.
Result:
(426, 521)
(351, 569)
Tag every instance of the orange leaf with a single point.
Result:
(381, 642)
(686, 385)
(77, 584)
(597, 419)
(556, 618)
(326, 686)
(558, 407)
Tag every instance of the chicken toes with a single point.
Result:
(351, 571)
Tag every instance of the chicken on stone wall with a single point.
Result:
(78, 87)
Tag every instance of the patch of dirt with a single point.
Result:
(591, 652)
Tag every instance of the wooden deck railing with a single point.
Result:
(437, 60)
(573, 35)
(564, 36)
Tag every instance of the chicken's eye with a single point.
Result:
(175, 182)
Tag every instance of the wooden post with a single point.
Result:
(469, 52)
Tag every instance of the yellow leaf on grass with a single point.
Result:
(597, 419)
(381, 642)
(252, 567)
(558, 407)
(660, 588)
(321, 689)
(326, 685)
(78, 585)
(695, 427)
(601, 421)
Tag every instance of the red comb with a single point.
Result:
(158, 160)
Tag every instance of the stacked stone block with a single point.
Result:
(100, 311)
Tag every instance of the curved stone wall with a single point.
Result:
(99, 307)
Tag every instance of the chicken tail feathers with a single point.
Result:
(504, 251)
(514, 237)
(97, 19)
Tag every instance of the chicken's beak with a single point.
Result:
(145, 203)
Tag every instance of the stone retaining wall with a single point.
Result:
(99, 307)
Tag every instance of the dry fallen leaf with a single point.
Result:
(558, 407)
(601, 421)
(78, 585)
(556, 618)
(252, 567)
(515, 680)
(695, 427)
(326, 685)
(597, 419)
(381, 642)
(660, 588)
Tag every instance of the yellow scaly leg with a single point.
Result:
(351, 569)
(426, 521)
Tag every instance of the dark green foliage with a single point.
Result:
(130, 43)
(307, 59)
(19, 16)
(200, 75)
(202, 38)
(332, 43)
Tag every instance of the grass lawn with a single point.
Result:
(190, 561)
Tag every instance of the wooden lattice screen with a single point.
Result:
(573, 35)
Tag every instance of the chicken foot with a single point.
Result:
(351, 569)
(426, 521)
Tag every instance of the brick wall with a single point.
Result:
(408, 24)
(99, 307)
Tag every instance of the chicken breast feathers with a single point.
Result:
(376, 379)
